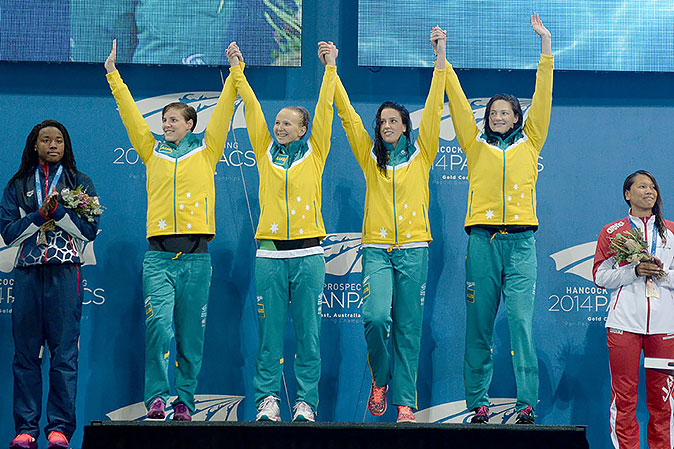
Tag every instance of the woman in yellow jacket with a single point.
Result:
(289, 265)
(501, 220)
(396, 234)
(180, 171)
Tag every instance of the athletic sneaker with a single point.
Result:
(156, 409)
(405, 414)
(303, 412)
(268, 410)
(525, 416)
(23, 441)
(481, 415)
(57, 440)
(376, 404)
(181, 412)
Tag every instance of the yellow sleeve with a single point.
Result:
(460, 111)
(359, 139)
(321, 128)
(536, 126)
(141, 138)
(218, 125)
(429, 129)
(255, 121)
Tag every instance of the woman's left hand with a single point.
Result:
(539, 28)
(546, 36)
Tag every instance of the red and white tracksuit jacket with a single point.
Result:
(637, 322)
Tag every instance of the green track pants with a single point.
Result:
(176, 295)
(278, 283)
(394, 287)
(500, 264)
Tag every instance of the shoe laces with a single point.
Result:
(302, 408)
(528, 410)
(482, 410)
(24, 437)
(269, 401)
(378, 393)
(56, 435)
(405, 410)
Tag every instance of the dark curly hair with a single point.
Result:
(379, 149)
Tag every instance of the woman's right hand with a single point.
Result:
(439, 41)
(109, 63)
(234, 55)
(49, 204)
(327, 53)
(649, 268)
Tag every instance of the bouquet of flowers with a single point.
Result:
(81, 203)
(632, 247)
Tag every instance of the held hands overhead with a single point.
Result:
(327, 53)
(438, 42)
(234, 55)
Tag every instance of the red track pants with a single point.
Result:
(624, 355)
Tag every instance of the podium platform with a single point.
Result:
(252, 435)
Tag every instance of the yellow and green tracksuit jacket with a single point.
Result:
(503, 180)
(290, 190)
(396, 205)
(180, 179)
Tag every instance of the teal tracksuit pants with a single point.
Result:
(176, 290)
(500, 264)
(394, 287)
(278, 283)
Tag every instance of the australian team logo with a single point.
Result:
(208, 407)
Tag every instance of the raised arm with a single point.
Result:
(255, 121)
(359, 140)
(460, 111)
(429, 129)
(321, 128)
(546, 37)
(218, 125)
(139, 132)
(536, 125)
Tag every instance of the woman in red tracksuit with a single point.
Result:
(639, 319)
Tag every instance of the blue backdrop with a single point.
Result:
(603, 126)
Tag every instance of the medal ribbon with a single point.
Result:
(38, 188)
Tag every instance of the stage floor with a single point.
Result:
(253, 435)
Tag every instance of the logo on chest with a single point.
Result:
(280, 159)
(164, 149)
